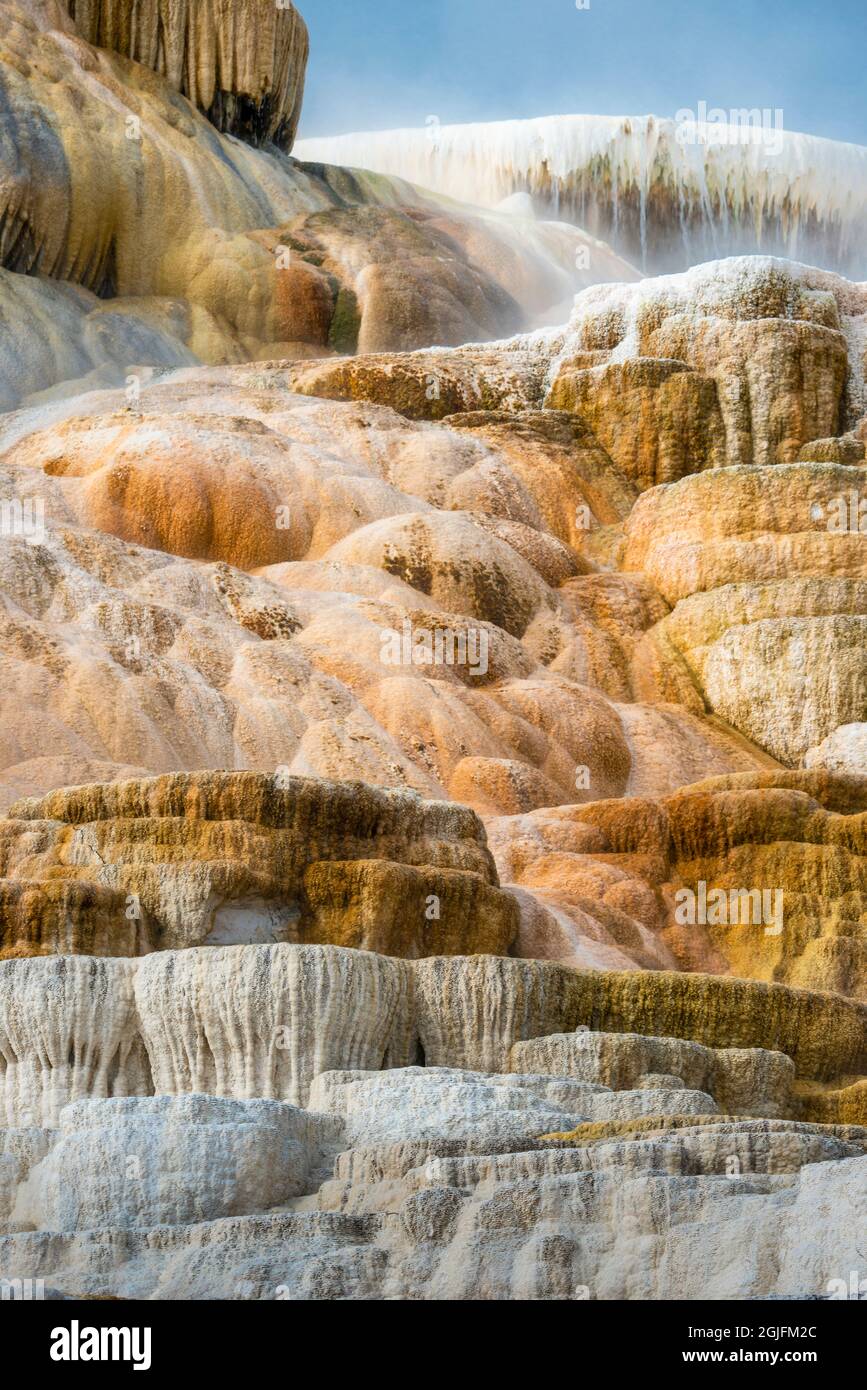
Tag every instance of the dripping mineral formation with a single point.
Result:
(394, 687)
(666, 193)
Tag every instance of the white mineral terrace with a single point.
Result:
(757, 177)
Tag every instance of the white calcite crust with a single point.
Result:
(168, 1161)
(785, 183)
(264, 1021)
(68, 1031)
(440, 1190)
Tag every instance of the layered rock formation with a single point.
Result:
(771, 574)
(185, 861)
(505, 1167)
(755, 357)
(69, 1030)
(760, 876)
(265, 1020)
(496, 533)
(528, 1225)
(361, 527)
(169, 1161)
(727, 372)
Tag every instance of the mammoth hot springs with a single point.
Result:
(433, 665)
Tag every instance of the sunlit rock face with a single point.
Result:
(276, 604)
(746, 361)
(761, 564)
(743, 361)
(212, 249)
(665, 193)
(759, 876)
(732, 395)
(186, 860)
(230, 575)
(243, 67)
(846, 747)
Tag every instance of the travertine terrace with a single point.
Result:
(433, 709)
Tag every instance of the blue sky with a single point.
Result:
(381, 63)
